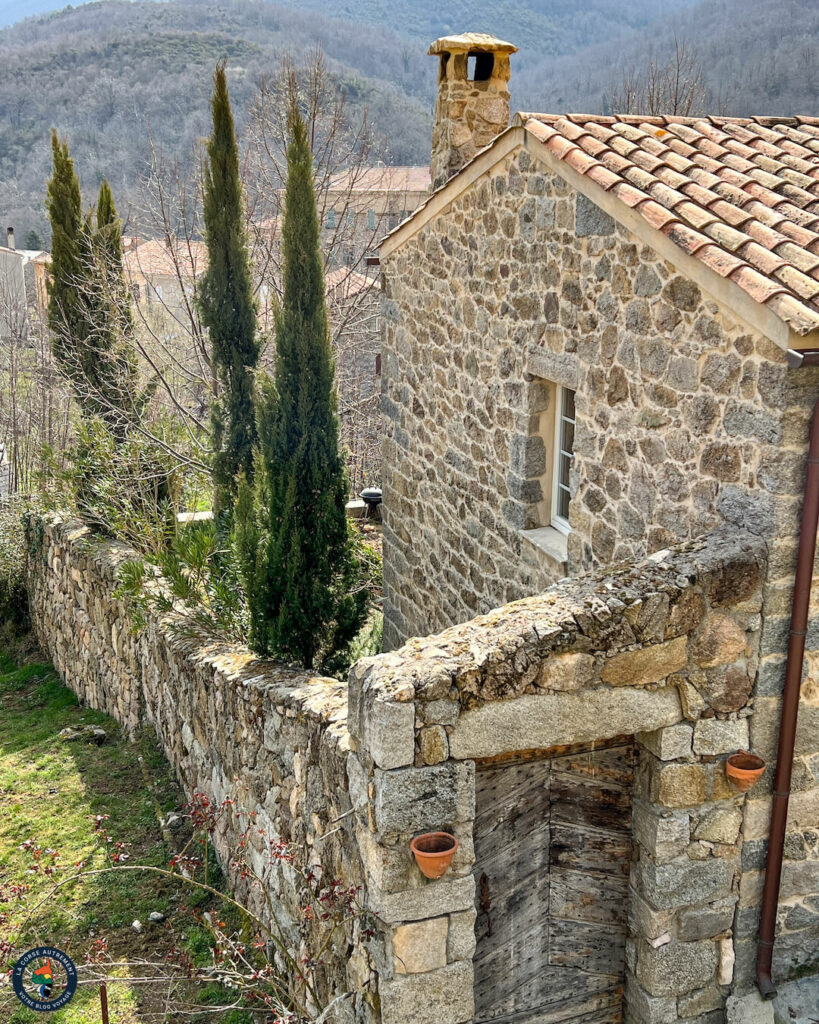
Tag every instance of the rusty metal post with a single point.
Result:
(104, 1002)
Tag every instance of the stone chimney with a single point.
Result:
(10, 236)
(473, 99)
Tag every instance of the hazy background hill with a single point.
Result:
(105, 73)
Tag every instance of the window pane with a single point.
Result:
(565, 453)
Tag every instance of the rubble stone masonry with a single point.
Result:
(685, 418)
(665, 650)
(267, 736)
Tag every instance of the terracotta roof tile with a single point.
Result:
(630, 195)
(724, 263)
(615, 162)
(685, 237)
(739, 194)
(728, 237)
(736, 216)
(799, 257)
(603, 176)
(800, 284)
(757, 285)
(656, 215)
(760, 257)
(698, 216)
(580, 160)
(767, 236)
(640, 177)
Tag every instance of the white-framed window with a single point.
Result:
(563, 458)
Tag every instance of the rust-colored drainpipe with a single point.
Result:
(790, 710)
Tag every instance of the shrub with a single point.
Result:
(13, 553)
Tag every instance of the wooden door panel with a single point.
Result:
(518, 911)
(571, 898)
(588, 947)
(594, 850)
(561, 995)
(552, 853)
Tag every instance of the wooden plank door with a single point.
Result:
(552, 852)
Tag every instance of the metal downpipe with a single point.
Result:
(790, 710)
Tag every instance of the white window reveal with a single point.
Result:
(544, 459)
(564, 455)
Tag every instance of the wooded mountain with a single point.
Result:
(106, 73)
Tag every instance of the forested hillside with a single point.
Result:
(537, 26)
(755, 57)
(108, 73)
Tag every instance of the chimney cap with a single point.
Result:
(471, 42)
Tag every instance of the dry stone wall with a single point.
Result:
(666, 649)
(270, 737)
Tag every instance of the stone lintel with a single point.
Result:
(550, 720)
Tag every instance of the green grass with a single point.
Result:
(48, 792)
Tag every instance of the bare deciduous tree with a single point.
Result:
(673, 86)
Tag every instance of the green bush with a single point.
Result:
(127, 488)
(13, 552)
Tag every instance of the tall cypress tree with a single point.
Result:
(226, 304)
(66, 314)
(88, 311)
(301, 578)
(114, 305)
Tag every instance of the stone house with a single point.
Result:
(359, 205)
(599, 345)
(22, 288)
(598, 368)
(163, 275)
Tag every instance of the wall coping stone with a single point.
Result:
(500, 656)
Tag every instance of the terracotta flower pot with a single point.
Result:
(744, 769)
(433, 852)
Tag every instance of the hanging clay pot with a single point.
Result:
(744, 769)
(433, 852)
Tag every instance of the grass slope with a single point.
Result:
(48, 792)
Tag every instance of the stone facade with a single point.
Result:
(684, 417)
(269, 737)
(512, 285)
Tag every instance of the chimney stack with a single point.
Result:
(10, 234)
(473, 99)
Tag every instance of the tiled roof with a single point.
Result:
(739, 194)
(155, 259)
(383, 179)
(343, 283)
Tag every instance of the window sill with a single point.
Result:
(551, 543)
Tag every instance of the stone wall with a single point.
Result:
(685, 418)
(270, 737)
(667, 650)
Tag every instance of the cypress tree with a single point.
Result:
(88, 310)
(66, 315)
(226, 304)
(300, 580)
(115, 325)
